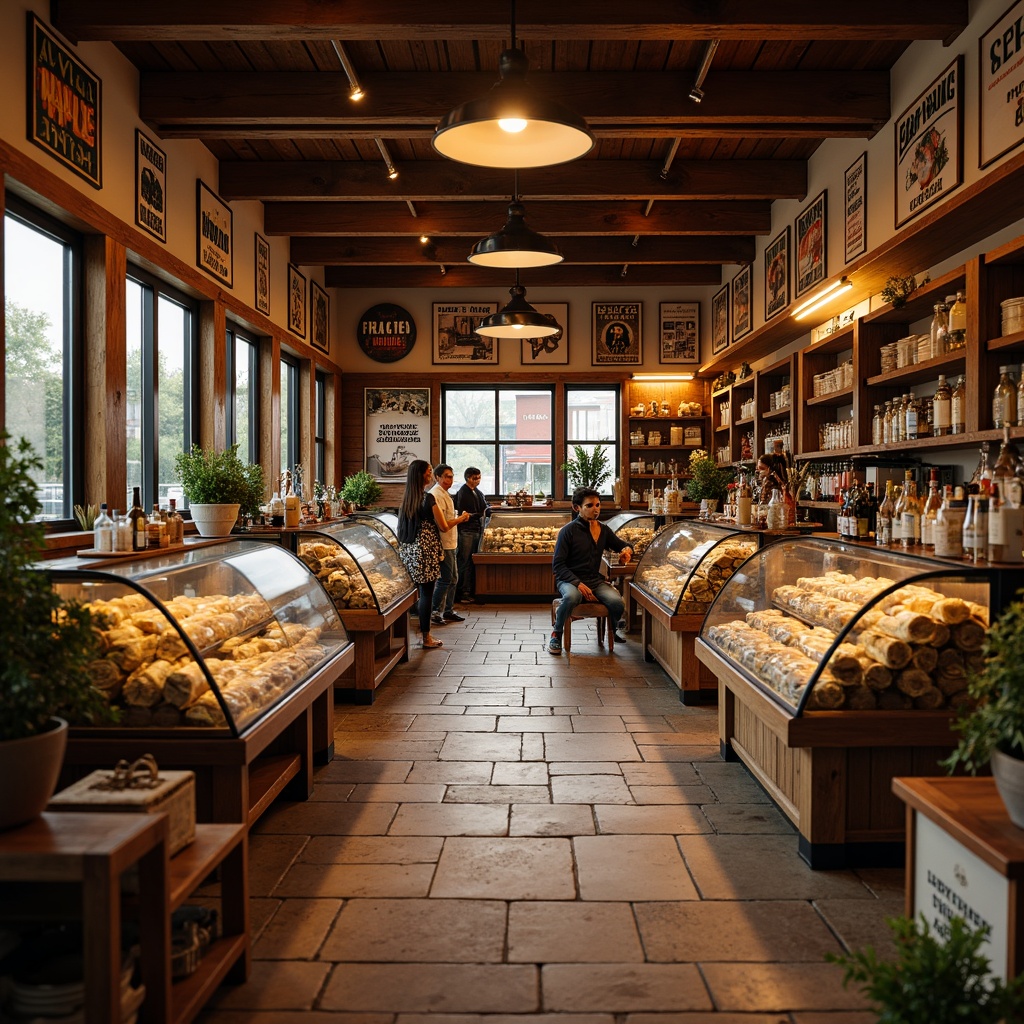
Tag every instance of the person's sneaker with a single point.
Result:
(555, 644)
(620, 638)
(454, 617)
(437, 618)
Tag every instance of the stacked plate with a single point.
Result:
(55, 992)
(1013, 315)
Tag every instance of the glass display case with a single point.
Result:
(637, 529)
(210, 639)
(515, 532)
(385, 523)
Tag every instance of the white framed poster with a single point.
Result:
(1001, 87)
(679, 332)
(855, 208)
(617, 334)
(554, 349)
(396, 430)
(455, 337)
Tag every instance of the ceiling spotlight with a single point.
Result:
(388, 162)
(697, 93)
(355, 90)
(625, 267)
(442, 268)
(512, 126)
(515, 245)
(518, 319)
(424, 239)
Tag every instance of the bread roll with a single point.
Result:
(913, 682)
(930, 700)
(892, 653)
(968, 635)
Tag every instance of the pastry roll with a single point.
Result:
(185, 684)
(968, 635)
(825, 695)
(929, 700)
(861, 698)
(873, 673)
(894, 700)
(892, 653)
(913, 682)
(925, 658)
(107, 677)
(130, 654)
(145, 686)
(904, 625)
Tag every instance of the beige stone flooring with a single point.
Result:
(509, 837)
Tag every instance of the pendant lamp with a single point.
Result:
(515, 245)
(512, 126)
(518, 319)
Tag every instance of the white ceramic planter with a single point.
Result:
(1008, 773)
(35, 762)
(214, 520)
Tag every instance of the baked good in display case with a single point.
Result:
(511, 532)
(385, 523)
(823, 626)
(208, 638)
(637, 529)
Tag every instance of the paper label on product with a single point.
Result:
(996, 527)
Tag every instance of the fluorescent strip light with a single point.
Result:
(661, 376)
(819, 298)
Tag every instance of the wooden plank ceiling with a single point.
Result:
(671, 192)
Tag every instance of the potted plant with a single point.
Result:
(361, 489)
(933, 981)
(47, 645)
(708, 480)
(218, 486)
(992, 727)
(588, 469)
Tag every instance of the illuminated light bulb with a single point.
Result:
(512, 124)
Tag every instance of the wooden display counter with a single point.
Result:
(829, 772)
(514, 577)
(669, 640)
(381, 641)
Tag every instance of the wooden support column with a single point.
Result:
(213, 376)
(332, 431)
(307, 421)
(270, 410)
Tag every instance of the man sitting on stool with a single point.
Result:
(577, 565)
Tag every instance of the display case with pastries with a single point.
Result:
(512, 532)
(637, 529)
(209, 654)
(385, 523)
(840, 667)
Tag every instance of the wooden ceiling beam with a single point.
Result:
(713, 217)
(444, 180)
(265, 20)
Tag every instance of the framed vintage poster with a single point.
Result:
(741, 316)
(720, 320)
(679, 332)
(261, 276)
(929, 144)
(455, 337)
(855, 208)
(150, 186)
(214, 245)
(396, 430)
(65, 116)
(554, 349)
(386, 332)
(616, 334)
(811, 240)
(776, 275)
(296, 301)
(320, 319)
(1001, 87)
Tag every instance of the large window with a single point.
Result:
(592, 421)
(242, 394)
(161, 357)
(41, 299)
(507, 432)
(320, 431)
(289, 414)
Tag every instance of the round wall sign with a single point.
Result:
(387, 332)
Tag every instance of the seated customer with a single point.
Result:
(577, 565)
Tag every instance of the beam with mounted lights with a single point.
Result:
(821, 297)
(651, 378)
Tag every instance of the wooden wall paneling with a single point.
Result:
(105, 343)
(270, 410)
(213, 376)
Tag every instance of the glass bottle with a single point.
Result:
(899, 503)
(910, 411)
(981, 479)
(958, 406)
(1020, 401)
(120, 536)
(744, 498)
(883, 521)
(996, 535)
(776, 515)
(910, 517)
(939, 329)
(1004, 399)
(930, 512)
(103, 531)
(861, 512)
(958, 322)
(975, 532)
(137, 518)
(942, 403)
(176, 525)
(887, 422)
(876, 426)
(949, 525)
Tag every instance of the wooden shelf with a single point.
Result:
(919, 372)
(743, 422)
(666, 419)
(840, 341)
(190, 995)
(921, 303)
(1011, 342)
(777, 414)
(267, 778)
(833, 398)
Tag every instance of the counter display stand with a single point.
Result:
(385, 523)
(373, 594)
(840, 666)
(514, 558)
(674, 583)
(637, 529)
(221, 659)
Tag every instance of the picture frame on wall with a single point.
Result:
(554, 349)
(1000, 90)
(214, 243)
(455, 337)
(261, 274)
(616, 334)
(720, 320)
(928, 144)
(396, 431)
(810, 238)
(678, 332)
(320, 319)
(296, 301)
(776, 274)
(150, 186)
(742, 320)
(855, 208)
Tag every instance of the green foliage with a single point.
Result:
(709, 480)
(931, 981)
(86, 515)
(588, 469)
(995, 720)
(47, 643)
(361, 489)
(209, 477)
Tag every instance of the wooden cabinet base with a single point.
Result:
(513, 577)
(669, 640)
(381, 642)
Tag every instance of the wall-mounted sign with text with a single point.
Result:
(386, 332)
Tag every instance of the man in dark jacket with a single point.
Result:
(577, 565)
(469, 498)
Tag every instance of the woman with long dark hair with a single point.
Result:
(419, 543)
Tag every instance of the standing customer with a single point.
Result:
(469, 498)
(419, 542)
(577, 565)
(447, 522)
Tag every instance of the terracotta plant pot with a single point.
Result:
(1008, 773)
(214, 520)
(35, 762)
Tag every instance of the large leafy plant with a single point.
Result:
(707, 478)
(361, 488)
(220, 478)
(47, 643)
(588, 468)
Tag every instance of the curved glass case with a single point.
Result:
(514, 532)
(358, 568)
(385, 523)
(821, 625)
(637, 529)
(210, 637)
(688, 561)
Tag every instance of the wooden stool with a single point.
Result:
(585, 610)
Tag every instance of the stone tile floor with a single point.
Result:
(509, 837)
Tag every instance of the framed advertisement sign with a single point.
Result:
(616, 339)
(320, 319)
(1001, 87)
(262, 275)
(741, 318)
(811, 240)
(296, 301)
(386, 332)
(455, 337)
(855, 208)
(554, 349)
(720, 320)
(150, 186)
(929, 144)
(776, 275)
(396, 430)
(214, 244)
(679, 332)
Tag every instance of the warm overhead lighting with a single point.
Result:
(512, 126)
(424, 239)
(819, 298)
(518, 319)
(355, 90)
(515, 245)
(651, 377)
(697, 93)
(388, 162)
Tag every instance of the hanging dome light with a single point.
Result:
(515, 245)
(518, 319)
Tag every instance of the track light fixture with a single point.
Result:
(697, 93)
(388, 162)
(518, 319)
(515, 244)
(820, 297)
(355, 90)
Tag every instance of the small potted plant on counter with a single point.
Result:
(218, 487)
(361, 489)
(708, 481)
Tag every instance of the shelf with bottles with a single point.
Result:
(778, 414)
(833, 399)
(921, 303)
(949, 363)
(1007, 343)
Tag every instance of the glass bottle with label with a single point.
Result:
(930, 512)
(949, 525)
(940, 329)
(1004, 399)
(883, 521)
(103, 531)
(910, 513)
(910, 413)
(744, 500)
(137, 518)
(876, 426)
(942, 403)
(958, 406)
(958, 322)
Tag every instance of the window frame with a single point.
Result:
(320, 427)
(248, 446)
(291, 414)
(615, 443)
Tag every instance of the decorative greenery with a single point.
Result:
(709, 480)
(588, 469)
(47, 642)
(86, 515)
(995, 720)
(215, 478)
(898, 289)
(931, 981)
(361, 489)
